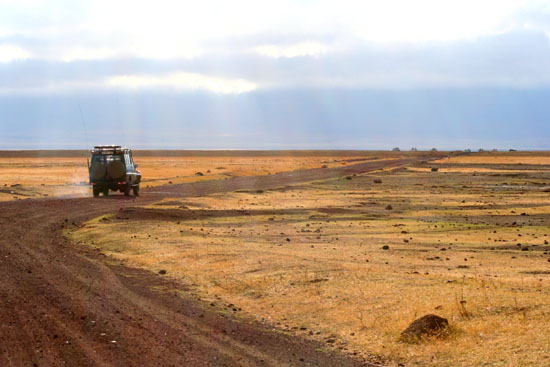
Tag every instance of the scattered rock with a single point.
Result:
(162, 272)
(428, 325)
(385, 247)
(199, 174)
(389, 207)
(318, 280)
(435, 169)
(377, 180)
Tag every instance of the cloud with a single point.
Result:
(294, 50)
(168, 29)
(518, 59)
(217, 46)
(182, 81)
(80, 53)
(11, 52)
(273, 74)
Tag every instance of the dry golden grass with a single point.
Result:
(310, 259)
(507, 158)
(22, 178)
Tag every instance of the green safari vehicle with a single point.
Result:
(112, 168)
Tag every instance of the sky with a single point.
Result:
(303, 74)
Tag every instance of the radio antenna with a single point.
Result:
(85, 132)
(84, 124)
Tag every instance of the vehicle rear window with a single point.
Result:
(106, 158)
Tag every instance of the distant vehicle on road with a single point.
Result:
(112, 168)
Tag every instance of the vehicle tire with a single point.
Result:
(136, 190)
(96, 191)
(127, 190)
(105, 192)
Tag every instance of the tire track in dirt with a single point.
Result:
(62, 304)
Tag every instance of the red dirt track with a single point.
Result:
(63, 304)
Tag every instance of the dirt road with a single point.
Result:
(64, 304)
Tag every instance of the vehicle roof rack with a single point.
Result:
(108, 149)
(107, 146)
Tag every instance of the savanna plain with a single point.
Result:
(350, 261)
